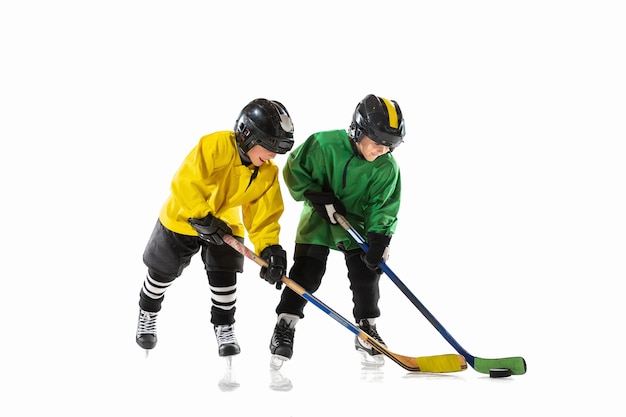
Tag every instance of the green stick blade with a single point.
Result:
(516, 364)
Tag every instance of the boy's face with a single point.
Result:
(258, 155)
(370, 149)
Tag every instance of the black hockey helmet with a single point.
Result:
(266, 123)
(379, 119)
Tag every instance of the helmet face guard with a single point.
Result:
(266, 123)
(379, 119)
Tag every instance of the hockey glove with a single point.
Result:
(378, 251)
(211, 229)
(276, 259)
(326, 204)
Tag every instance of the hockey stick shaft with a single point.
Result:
(516, 364)
(435, 364)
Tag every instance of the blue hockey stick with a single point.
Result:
(517, 365)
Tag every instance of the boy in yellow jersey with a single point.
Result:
(228, 182)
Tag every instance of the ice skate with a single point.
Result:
(146, 335)
(370, 357)
(227, 344)
(281, 344)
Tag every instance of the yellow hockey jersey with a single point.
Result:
(212, 179)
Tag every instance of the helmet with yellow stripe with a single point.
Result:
(379, 119)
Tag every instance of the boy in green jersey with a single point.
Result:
(352, 173)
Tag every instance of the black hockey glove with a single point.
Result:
(276, 259)
(326, 204)
(377, 252)
(211, 229)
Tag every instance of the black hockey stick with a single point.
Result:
(435, 364)
(517, 364)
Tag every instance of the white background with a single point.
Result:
(511, 230)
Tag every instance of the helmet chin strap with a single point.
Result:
(243, 155)
(246, 161)
(355, 149)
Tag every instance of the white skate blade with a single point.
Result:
(276, 362)
(229, 362)
(229, 380)
(370, 361)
